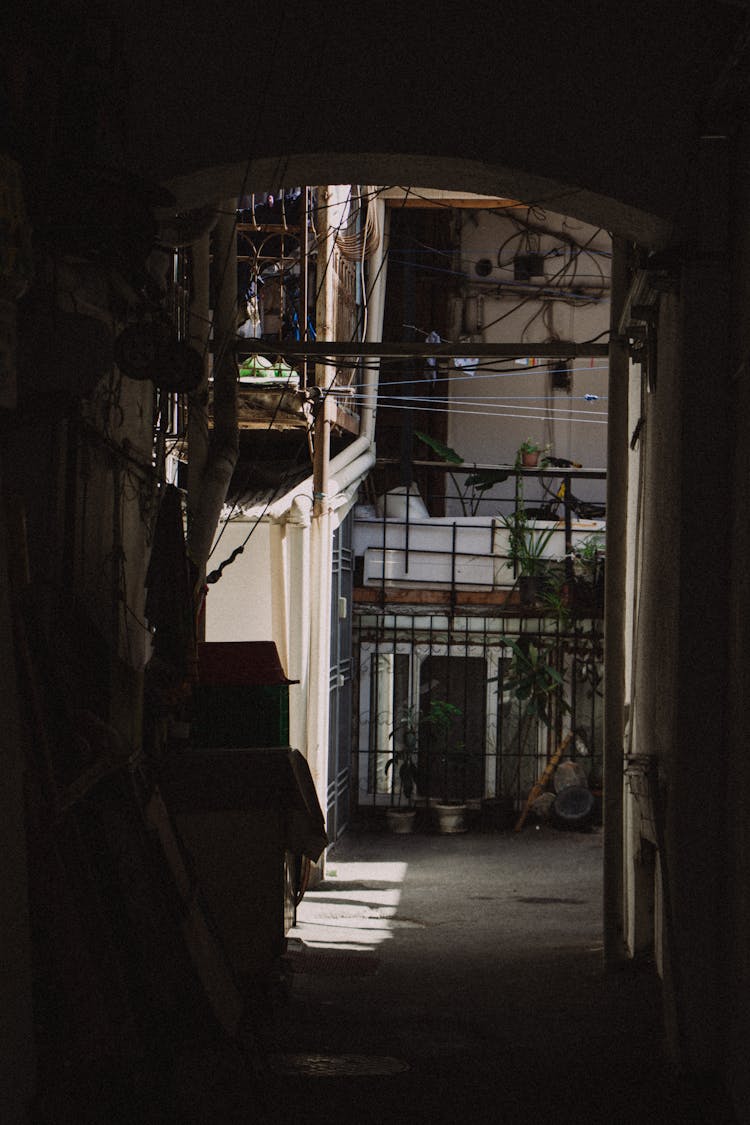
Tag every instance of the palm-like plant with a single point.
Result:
(533, 680)
(526, 544)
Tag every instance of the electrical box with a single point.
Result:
(528, 266)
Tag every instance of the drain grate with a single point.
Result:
(336, 1066)
(333, 962)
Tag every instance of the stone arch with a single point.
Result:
(225, 181)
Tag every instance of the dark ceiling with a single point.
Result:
(610, 98)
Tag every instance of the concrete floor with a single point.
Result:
(430, 979)
(470, 967)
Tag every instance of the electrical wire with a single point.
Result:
(360, 246)
(217, 573)
(495, 373)
(526, 300)
(482, 400)
(487, 413)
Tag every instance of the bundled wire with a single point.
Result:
(362, 245)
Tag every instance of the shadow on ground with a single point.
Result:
(441, 979)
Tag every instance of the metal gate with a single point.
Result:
(340, 713)
(404, 662)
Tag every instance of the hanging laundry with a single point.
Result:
(432, 338)
(466, 364)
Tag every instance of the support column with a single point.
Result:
(209, 492)
(696, 807)
(614, 620)
(197, 429)
(198, 402)
(18, 1056)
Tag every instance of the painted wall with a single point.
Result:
(497, 405)
(239, 606)
(736, 951)
(685, 669)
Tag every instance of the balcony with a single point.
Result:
(404, 554)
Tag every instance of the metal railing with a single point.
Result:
(409, 654)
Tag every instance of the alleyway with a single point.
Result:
(468, 971)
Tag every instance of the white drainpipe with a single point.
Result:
(299, 623)
(310, 554)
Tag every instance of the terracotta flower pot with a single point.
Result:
(530, 459)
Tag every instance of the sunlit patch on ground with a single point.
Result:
(354, 909)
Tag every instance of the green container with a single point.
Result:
(234, 715)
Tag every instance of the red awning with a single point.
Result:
(240, 663)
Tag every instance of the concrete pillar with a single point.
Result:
(615, 619)
(209, 493)
(198, 402)
(696, 769)
(18, 1055)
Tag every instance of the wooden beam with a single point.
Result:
(333, 349)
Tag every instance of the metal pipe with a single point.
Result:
(321, 463)
(303, 280)
(375, 349)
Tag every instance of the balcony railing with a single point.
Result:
(399, 546)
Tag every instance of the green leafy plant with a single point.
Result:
(403, 760)
(530, 445)
(440, 721)
(555, 594)
(533, 680)
(588, 554)
(442, 717)
(526, 544)
(474, 484)
(588, 570)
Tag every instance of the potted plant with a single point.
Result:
(440, 719)
(588, 573)
(537, 685)
(530, 452)
(526, 553)
(403, 763)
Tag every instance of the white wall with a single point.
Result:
(239, 606)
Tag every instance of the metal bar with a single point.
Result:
(453, 567)
(303, 281)
(568, 529)
(556, 349)
(475, 466)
